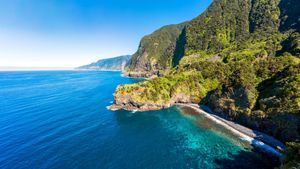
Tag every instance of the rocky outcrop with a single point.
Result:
(127, 102)
(141, 74)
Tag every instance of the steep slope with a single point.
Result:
(116, 63)
(223, 23)
(156, 51)
(226, 26)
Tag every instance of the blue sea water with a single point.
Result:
(59, 120)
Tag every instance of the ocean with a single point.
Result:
(60, 120)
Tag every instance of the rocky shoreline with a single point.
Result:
(132, 106)
(138, 74)
(257, 139)
(126, 103)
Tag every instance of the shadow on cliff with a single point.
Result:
(179, 48)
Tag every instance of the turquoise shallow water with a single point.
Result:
(58, 119)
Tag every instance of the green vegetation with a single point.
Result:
(226, 28)
(240, 58)
(163, 89)
(223, 23)
(156, 50)
(292, 159)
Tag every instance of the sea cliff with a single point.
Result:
(241, 58)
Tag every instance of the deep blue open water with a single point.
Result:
(59, 120)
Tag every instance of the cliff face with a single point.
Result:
(117, 63)
(225, 24)
(240, 58)
(156, 51)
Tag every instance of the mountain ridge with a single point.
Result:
(115, 63)
(212, 35)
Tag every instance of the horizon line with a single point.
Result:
(32, 68)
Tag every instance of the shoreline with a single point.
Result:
(255, 138)
(244, 133)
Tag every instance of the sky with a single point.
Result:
(71, 33)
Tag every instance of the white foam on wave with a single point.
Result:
(134, 111)
(242, 136)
